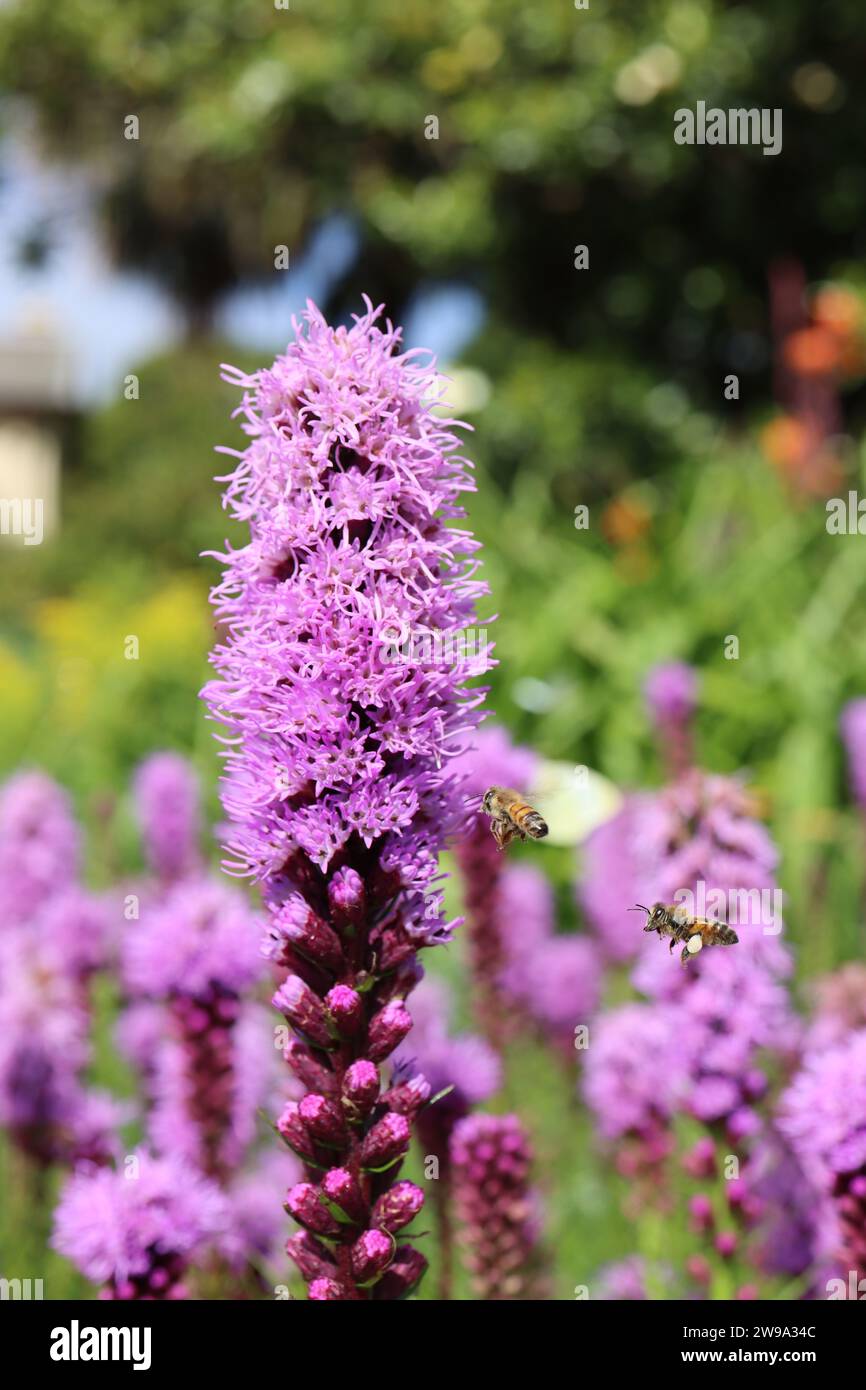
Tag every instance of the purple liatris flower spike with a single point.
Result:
(732, 1016)
(491, 761)
(697, 843)
(207, 1089)
(500, 1227)
(167, 806)
(197, 951)
(613, 878)
(552, 981)
(559, 989)
(135, 1231)
(787, 1206)
(632, 1096)
(204, 934)
(78, 926)
(671, 696)
(338, 786)
(39, 844)
(702, 847)
(44, 1048)
(823, 1116)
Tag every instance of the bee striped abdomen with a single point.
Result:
(726, 936)
(530, 822)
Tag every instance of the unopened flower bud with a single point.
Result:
(327, 1291)
(291, 1127)
(392, 948)
(387, 1030)
(398, 1206)
(295, 924)
(701, 1212)
(302, 1202)
(698, 1268)
(403, 1274)
(407, 1097)
(304, 1010)
(360, 1088)
(344, 1190)
(313, 1259)
(347, 899)
(387, 1141)
(307, 1067)
(371, 1254)
(346, 1008)
(323, 1119)
(700, 1161)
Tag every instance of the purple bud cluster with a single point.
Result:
(497, 1209)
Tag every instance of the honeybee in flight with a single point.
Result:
(511, 817)
(696, 932)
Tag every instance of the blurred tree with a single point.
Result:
(553, 127)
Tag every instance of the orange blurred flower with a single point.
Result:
(812, 352)
(624, 520)
(838, 310)
(785, 441)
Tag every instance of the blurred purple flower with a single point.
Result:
(699, 837)
(529, 909)
(136, 1231)
(44, 1046)
(613, 878)
(196, 952)
(823, 1116)
(671, 692)
(636, 1071)
(166, 796)
(731, 1013)
(208, 1087)
(558, 985)
(39, 844)
(671, 695)
(623, 1281)
(839, 1006)
(465, 1062)
(255, 1229)
(852, 725)
(201, 935)
(786, 1241)
(337, 784)
(140, 1028)
(78, 924)
(492, 760)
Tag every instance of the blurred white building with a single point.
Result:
(37, 412)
